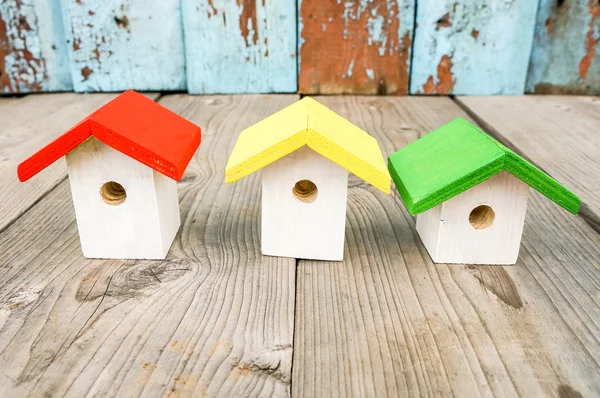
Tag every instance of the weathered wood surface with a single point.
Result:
(355, 46)
(218, 318)
(215, 318)
(116, 45)
(240, 47)
(388, 322)
(33, 47)
(566, 50)
(26, 125)
(559, 134)
(472, 46)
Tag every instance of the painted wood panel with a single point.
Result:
(121, 44)
(246, 46)
(33, 47)
(355, 47)
(472, 47)
(566, 57)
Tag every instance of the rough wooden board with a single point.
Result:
(387, 321)
(120, 44)
(28, 124)
(556, 133)
(240, 46)
(565, 57)
(472, 46)
(33, 47)
(355, 47)
(214, 318)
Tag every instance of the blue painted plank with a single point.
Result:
(121, 44)
(244, 46)
(472, 47)
(33, 47)
(566, 50)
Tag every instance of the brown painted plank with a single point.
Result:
(355, 47)
(214, 318)
(388, 322)
(557, 133)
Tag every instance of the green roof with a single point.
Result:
(455, 158)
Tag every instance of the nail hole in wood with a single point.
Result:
(560, 2)
(113, 193)
(305, 191)
(482, 217)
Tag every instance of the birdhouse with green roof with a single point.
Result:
(469, 194)
(305, 152)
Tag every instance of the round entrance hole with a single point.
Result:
(113, 193)
(305, 191)
(482, 217)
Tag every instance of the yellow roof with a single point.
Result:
(307, 122)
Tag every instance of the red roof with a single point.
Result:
(131, 124)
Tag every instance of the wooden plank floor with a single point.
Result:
(218, 319)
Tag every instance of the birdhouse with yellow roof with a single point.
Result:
(306, 151)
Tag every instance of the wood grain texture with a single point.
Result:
(116, 45)
(28, 124)
(566, 57)
(355, 47)
(33, 47)
(450, 235)
(215, 318)
(388, 322)
(243, 46)
(138, 219)
(301, 222)
(472, 47)
(556, 133)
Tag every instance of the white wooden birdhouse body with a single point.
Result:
(124, 161)
(306, 152)
(124, 209)
(304, 207)
(482, 225)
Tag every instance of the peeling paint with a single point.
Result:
(358, 47)
(350, 68)
(566, 57)
(592, 39)
(248, 23)
(22, 66)
(259, 54)
(445, 78)
(443, 22)
(548, 25)
(33, 47)
(473, 47)
(86, 72)
(115, 45)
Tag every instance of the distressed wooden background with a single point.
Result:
(398, 47)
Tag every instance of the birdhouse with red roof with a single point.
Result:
(124, 161)
(306, 151)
